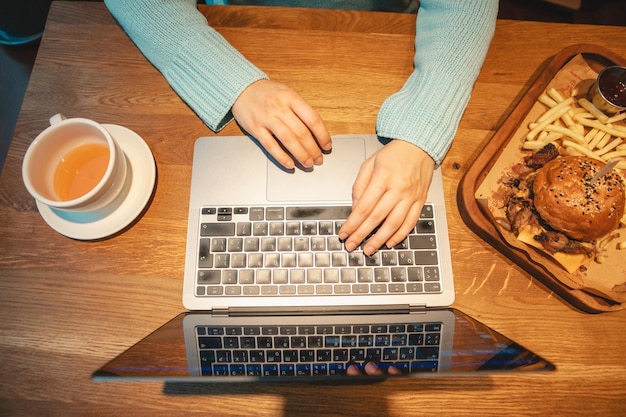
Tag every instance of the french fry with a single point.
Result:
(609, 147)
(582, 149)
(617, 118)
(541, 125)
(590, 135)
(556, 96)
(594, 123)
(566, 132)
(615, 154)
(605, 139)
(544, 99)
(599, 135)
(533, 145)
(550, 113)
(587, 105)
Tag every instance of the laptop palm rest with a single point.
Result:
(332, 180)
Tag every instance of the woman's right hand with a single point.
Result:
(285, 125)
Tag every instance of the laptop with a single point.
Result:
(242, 199)
(272, 294)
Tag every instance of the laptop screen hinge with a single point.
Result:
(417, 308)
(220, 312)
(318, 311)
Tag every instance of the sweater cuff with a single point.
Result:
(431, 126)
(210, 81)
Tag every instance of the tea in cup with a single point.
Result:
(74, 165)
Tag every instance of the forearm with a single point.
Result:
(451, 41)
(200, 65)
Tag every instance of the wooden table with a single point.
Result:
(67, 306)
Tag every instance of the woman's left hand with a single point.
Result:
(389, 191)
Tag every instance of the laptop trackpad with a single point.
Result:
(331, 181)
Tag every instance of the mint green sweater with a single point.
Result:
(451, 41)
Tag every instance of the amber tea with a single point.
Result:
(80, 170)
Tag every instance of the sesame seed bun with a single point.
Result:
(568, 202)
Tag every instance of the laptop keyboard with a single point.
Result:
(279, 351)
(295, 251)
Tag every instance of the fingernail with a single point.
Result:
(350, 246)
(319, 161)
(369, 250)
(342, 236)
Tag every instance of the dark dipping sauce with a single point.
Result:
(613, 89)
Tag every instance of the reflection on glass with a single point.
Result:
(196, 346)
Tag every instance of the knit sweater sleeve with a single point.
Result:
(198, 63)
(451, 42)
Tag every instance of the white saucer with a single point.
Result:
(125, 209)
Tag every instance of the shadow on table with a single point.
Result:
(360, 397)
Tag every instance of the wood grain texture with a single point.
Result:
(66, 306)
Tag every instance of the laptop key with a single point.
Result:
(275, 213)
(355, 259)
(209, 277)
(205, 259)
(427, 211)
(244, 229)
(269, 289)
(232, 290)
(257, 213)
(251, 290)
(432, 287)
(268, 244)
(218, 244)
(396, 288)
(320, 369)
(333, 243)
(254, 369)
(342, 289)
(217, 229)
(214, 290)
(221, 260)
(306, 289)
(425, 226)
(378, 288)
(235, 244)
(360, 288)
(431, 273)
(425, 257)
(210, 342)
(323, 289)
(348, 275)
(287, 289)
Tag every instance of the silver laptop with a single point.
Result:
(262, 238)
(273, 295)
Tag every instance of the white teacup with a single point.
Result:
(74, 165)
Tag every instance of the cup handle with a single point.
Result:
(57, 118)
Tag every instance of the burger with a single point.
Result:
(554, 203)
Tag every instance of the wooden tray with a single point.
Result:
(480, 222)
